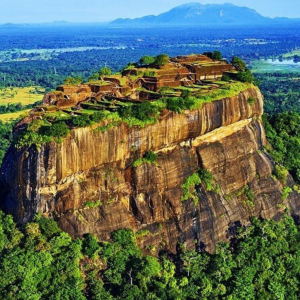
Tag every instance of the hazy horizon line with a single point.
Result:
(58, 22)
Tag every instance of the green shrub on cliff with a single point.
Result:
(40, 132)
(238, 63)
(249, 195)
(281, 173)
(149, 73)
(105, 71)
(207, 178)
(214, 55)
(192, 183)
(245, 76)
(81, 121)
(189, 188)
(178, 104)
(33, 135)
(97, 116)
(147, 60)
(149, 157)
(92, 204)
(59, 129)
(139, 114)
(161, 60)
(251, 100)
(85, 120)
(286, 192)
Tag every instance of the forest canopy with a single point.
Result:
(39, 261)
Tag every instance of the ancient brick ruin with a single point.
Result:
(136, 84)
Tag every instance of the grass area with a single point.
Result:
(100, 82)
(141, 89)
(26, 95)
(13, 116)
(134, 77)
(202, 87)
(86, 111)
(291, 54)
(221, 82)
(58, 115)
(123, 81)
(187, 88)
(217, 94)
(262, 66)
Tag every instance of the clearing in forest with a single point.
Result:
(24, 95)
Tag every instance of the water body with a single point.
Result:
(62, 50)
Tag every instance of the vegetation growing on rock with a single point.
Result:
(147, 60)
(178, 84)
(149, 157)
(42, 131)
(134, 115)
(73, 80)
(214, 55)
(192, 183)
(159, 60)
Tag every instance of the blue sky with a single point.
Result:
(36, 11)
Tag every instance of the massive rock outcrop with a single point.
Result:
(88, 184)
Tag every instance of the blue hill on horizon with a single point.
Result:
(210, 14)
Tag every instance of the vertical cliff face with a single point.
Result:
(88, 184)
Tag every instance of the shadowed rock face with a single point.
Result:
(225, 137)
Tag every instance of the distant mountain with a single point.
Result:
(199, 14)
(18, 25)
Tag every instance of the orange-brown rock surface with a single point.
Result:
(225, 137)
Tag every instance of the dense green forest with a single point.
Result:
(283, 133)
(14, 107)
(6, 138)
(44, 55)
(281, 92)
(39, 261)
